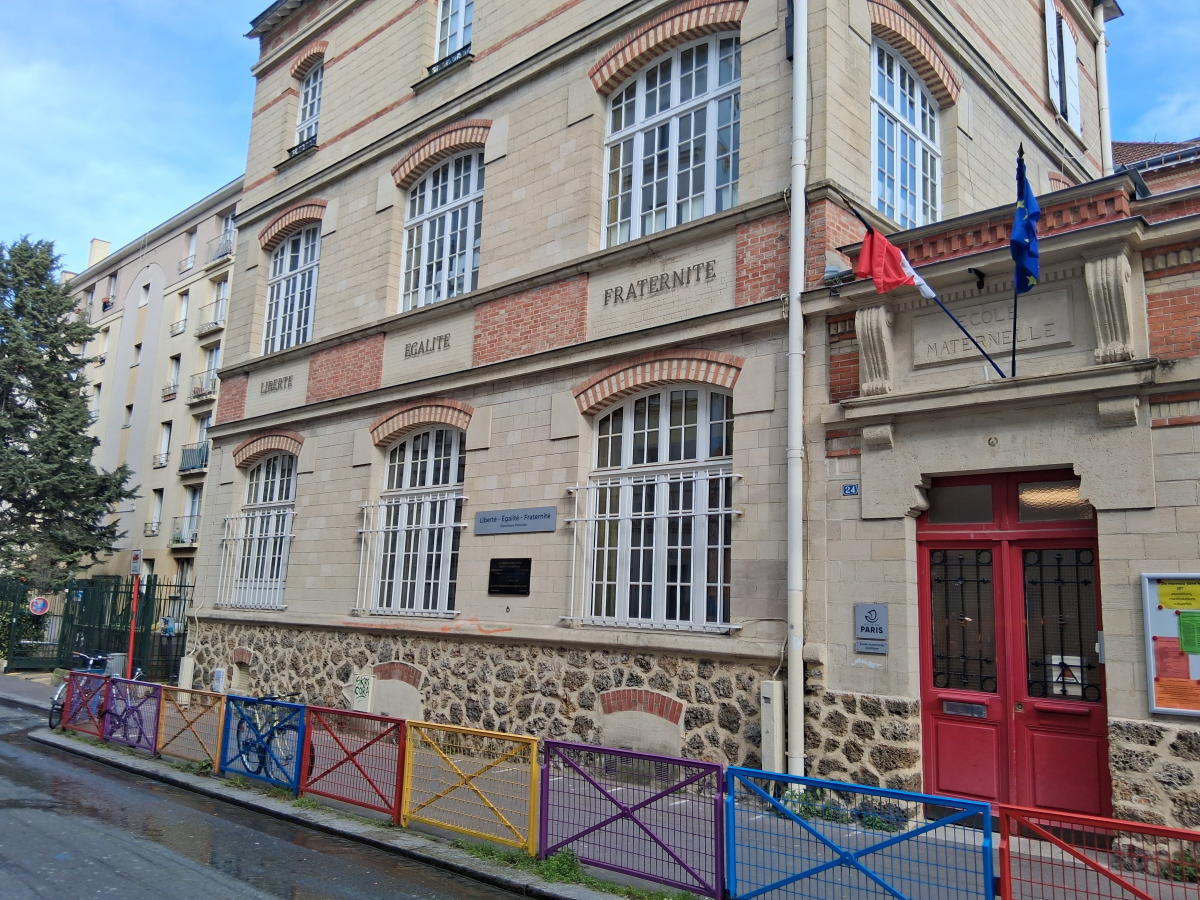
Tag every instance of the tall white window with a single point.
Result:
(657, 508)
(1062, 65)
(96, 400)
(310, 104)
(674, 140)
(257, 542)
(291, 287)
(455, 18)
(908, 157)
(443, 230)
(411, 536)
(156, 515)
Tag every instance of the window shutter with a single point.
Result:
(1071, 64)
(1052, 56)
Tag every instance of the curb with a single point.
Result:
(408, 844)
(27, 702)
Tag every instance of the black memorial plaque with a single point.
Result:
(509, 576)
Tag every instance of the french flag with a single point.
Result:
(884, 263)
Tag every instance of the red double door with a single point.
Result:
(1013, 695)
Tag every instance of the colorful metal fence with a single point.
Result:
(353, 757)
(656, 817)
(131, 713)
(83, 708)
(190, 724)
(262, 740)
(481, 783)
(800, 837)
(1046, 855)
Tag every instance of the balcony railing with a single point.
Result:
(204, 386)
(185, 531)
(106, 304)
(100, 358)
(219, 247)
(186, 263)
(179, 327)
(151, 529)
(302, 147)
(447, 61)
(170, 391)
(194, 457)
(212, 318)
(161, 459)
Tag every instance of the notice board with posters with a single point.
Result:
(1172, 606)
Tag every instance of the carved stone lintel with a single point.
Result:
(1118, 412)
(879, 437)
(873, 325)
(1108, 292)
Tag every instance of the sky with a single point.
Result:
(117, 114)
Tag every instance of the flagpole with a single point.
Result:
(1016, 274)
(1016, 294)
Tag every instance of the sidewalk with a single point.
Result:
(414, 845)
(31, 694)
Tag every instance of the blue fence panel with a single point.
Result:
(264, 740)
(791, 837)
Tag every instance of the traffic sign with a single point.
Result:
(39, 606)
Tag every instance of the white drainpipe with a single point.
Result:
(1106, 154)
(795, 397)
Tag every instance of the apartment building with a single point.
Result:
(160, 305)
(503, 429)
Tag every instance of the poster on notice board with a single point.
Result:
(1172, 606)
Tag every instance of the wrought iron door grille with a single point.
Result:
(1061, 624)
(962, 591)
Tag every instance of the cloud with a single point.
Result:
(1172, 118)
(1153, 69)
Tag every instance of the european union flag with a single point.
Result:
(1024, 242)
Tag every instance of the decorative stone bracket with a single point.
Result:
(1107, 282)
(873, 325)
(1118, 412)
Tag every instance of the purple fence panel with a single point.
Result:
(656, 817)
(131, 714)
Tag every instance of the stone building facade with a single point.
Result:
(511, 449)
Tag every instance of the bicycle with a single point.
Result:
(96, 664)
(266, 749)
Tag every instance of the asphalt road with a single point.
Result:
(72, 829)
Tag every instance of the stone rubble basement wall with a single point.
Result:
(1154, 771)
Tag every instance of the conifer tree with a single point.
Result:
(54, 502)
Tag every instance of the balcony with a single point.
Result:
(100, 359)
(219, 247)
(212, 318)
(194, 457)
(160, 459)
(447, 61)
(107, 303)
(185, 531)
(170, 391)
(179, 327)
(303, 147)
(186, 263)
(151, 529)
(204, 387)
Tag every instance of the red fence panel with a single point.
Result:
(355, 758)
(84, 707)
(1060, 856)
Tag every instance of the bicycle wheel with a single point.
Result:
(131, 727)
(56, 714)
(250, 748)
(284, 743)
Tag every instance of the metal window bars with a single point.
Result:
(204, 386)
(654, 550)
(409, 561)
(254, 558)
(212, 317)
(219, 247)
(187, 262)
(194, 457)
(169, 391)
(179, 327)
(185, 531)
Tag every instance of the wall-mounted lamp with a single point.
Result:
(979, 277)
(834, 278)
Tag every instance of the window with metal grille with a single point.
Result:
(310, 104)
(963, 603)
(291, 290)
(908, 156)
(674, 140)
(442, 232)
(411, 536)
(1061, 618)
(257, 542)
(658, 512)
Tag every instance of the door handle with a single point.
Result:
(1020, 707)
(1060, 710)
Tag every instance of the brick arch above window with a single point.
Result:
(301, 213)
(638, 700)
(454, 138)
(891, 23)
(657, 367)
(429, 411)
(255, 447)
(309, 57)
(677, 25)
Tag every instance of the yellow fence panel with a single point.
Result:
(481, 783)
(190, 725)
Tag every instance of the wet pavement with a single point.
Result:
(73, 829)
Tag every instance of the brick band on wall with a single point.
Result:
(346, 369)
(657, 367)
(531, 321)
(231, 405)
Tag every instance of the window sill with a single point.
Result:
(438, 71)
(407, 613)
(727, 628)
(292, 160)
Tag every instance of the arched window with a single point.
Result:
(674, 132)
(442, 232)
(257, 542)
(291, 290)
(908, 156)
(411, 536)
(659, 513)
(309, 114)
